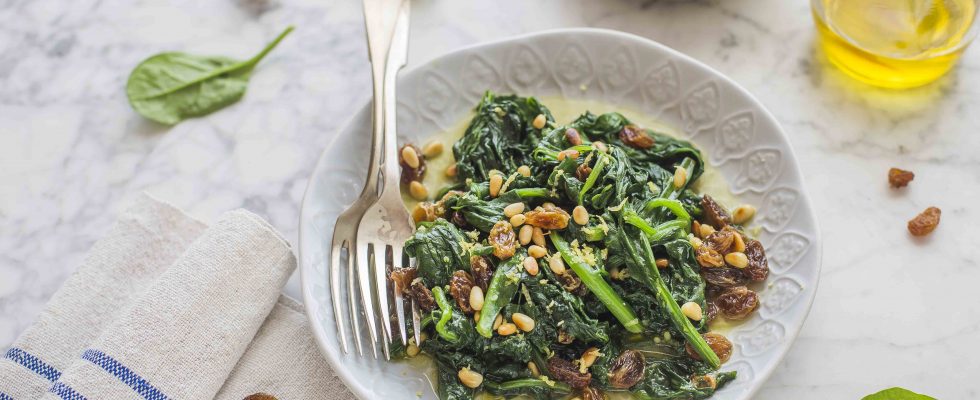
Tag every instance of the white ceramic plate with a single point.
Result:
(743, 140)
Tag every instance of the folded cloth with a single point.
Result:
(165, 307)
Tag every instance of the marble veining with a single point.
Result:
(890, 310)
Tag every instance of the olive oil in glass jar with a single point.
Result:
(895, 43)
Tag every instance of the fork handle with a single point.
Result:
(380, 18)
(397, 56)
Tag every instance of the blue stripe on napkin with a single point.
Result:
(126, 375)
(65, 392)
(4, 396)
(32, 363)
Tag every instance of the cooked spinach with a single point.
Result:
(500, 137)
(506, 280)
(438, 248)
(170, 87)
(604, 290)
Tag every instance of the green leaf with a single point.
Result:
(897, 393)
(170, 87)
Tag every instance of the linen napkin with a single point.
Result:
(165, 307)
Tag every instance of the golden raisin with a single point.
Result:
(403, 277)
(708, 257)
(714, 214)
(718, 343)
(460, 286)
(720, 241)
(552, 219)
(737, 302)
(635, 136)
(926, 222)
(899, 178)
(503, 240)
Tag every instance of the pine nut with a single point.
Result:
(739, 243)
(418, 191)
(524, 170)
(556, 264)
(412, 350)
(507, 329)
(548, 206)
(523, 322)
(537, 236)
(589, 357)
(662, 263)
(476, 317)
(451, 171)
(680, 177)
(518, 220)
(539, 121)
(525, 234)
(418, 213)
(536, 251)
(580, 215)
(696, 228)
(534, 369)
(432, 149)
(531, 265)
(513, 209)
(476, 298)
(410, 157)
(692, 310)
(706, 230)
(600, 146)
(498, 321)
(743, 214)
(562, 155)
(496, 181)
(737, 260)
(470, 378)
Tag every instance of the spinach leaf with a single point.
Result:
(438, 248)
(514, 347)
(671, 379)
(558, 308)
(532, 387)
(666, 152)
(483, 214)
(170, 87)
(500, 136)
(448, 366)
(897, 393)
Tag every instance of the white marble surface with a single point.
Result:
(890, 310)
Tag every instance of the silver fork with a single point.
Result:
(380, 17)
(386, 225)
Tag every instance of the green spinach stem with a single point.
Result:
(644, 268)
(504, 284)
(593, 280)
(270, 46)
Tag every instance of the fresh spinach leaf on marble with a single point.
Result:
(171, 87)
(897, 393)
